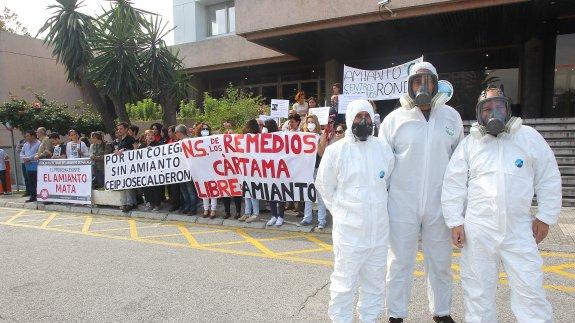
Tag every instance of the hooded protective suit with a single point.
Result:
(422, 150)
(496, 178)
(352, 179)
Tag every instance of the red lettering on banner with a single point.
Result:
(252, 141)
(238, 141)
(228, 144)
(311, 142)
(296, 144)
(282, 168)
(46, 178)
(199, 191)
(195, 151)
(264, 142)
(65, 188)
(218, 188)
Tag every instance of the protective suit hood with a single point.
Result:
(353, 108)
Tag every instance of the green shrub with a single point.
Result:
(235, 107)
(145, 110)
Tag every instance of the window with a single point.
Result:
(564, 92)
(221, 18)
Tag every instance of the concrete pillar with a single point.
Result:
(532, 78)
(333, 74)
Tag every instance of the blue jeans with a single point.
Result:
(321, 211)
(277, 209)
(252, 207)
(189, 197)
(26, 181)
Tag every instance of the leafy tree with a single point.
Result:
(9, 22)
(68, 32)
(145, 110)
(235, 107)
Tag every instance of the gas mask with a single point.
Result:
(424, 94)
(493, 113)
(362, 129)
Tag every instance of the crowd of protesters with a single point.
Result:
(183, 197)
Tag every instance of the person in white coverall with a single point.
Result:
(422, 133)
(352, 179)
(487, 194)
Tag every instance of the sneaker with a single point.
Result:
(272, 221)
(213, 214)
(303, 224)
(243, 217)
(443, 319)
(395, 320)
(237, 216)
(251, 219)
(279, 222)
(156, 209)
(321, 226)
(30, 200)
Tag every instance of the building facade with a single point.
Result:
(275, 47)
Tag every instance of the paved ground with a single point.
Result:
(69, 266)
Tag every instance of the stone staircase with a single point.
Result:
(560, 134)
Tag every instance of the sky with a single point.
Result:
(33, 13)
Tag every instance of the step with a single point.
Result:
(567, 170)
(561, 143)
(568, 180)
(554, 127)
(558, 134)
(567, 161)
(568, 202)
(564, 151)
(569, 191)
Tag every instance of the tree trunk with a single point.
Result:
(120, 108)
(99, 104)
(169, 107)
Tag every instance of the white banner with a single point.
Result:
(149, 166)
(385, 84)
(65, 180)
(321, 113)
(279, 108)
(271, 166)
(344, 99)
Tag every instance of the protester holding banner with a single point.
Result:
(352, 179)
(27, 154)
(210, 204)
(188, 192)
(97, 153)
(423, 133)
(312, 125)
(252, 208)
(300, 105)
(227, 127)
(125, 142)
(76, 148)
(152, 194)
(173, 189)
(311, 103)
(58, 150)
(276, 207)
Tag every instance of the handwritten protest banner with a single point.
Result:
(279, 108)
(321, 113)
(385, 84)
(65, 180)
(268, 166)
(150, 166)
(344, 99)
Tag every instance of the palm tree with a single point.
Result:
(163, 81)
(68, 33)
(117, 39)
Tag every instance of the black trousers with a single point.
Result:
(153, 195)
(237, 202)
(174, 193)
(32, 182)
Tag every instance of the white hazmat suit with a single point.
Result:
(496, 178)
(352, 179)
(422, 150)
